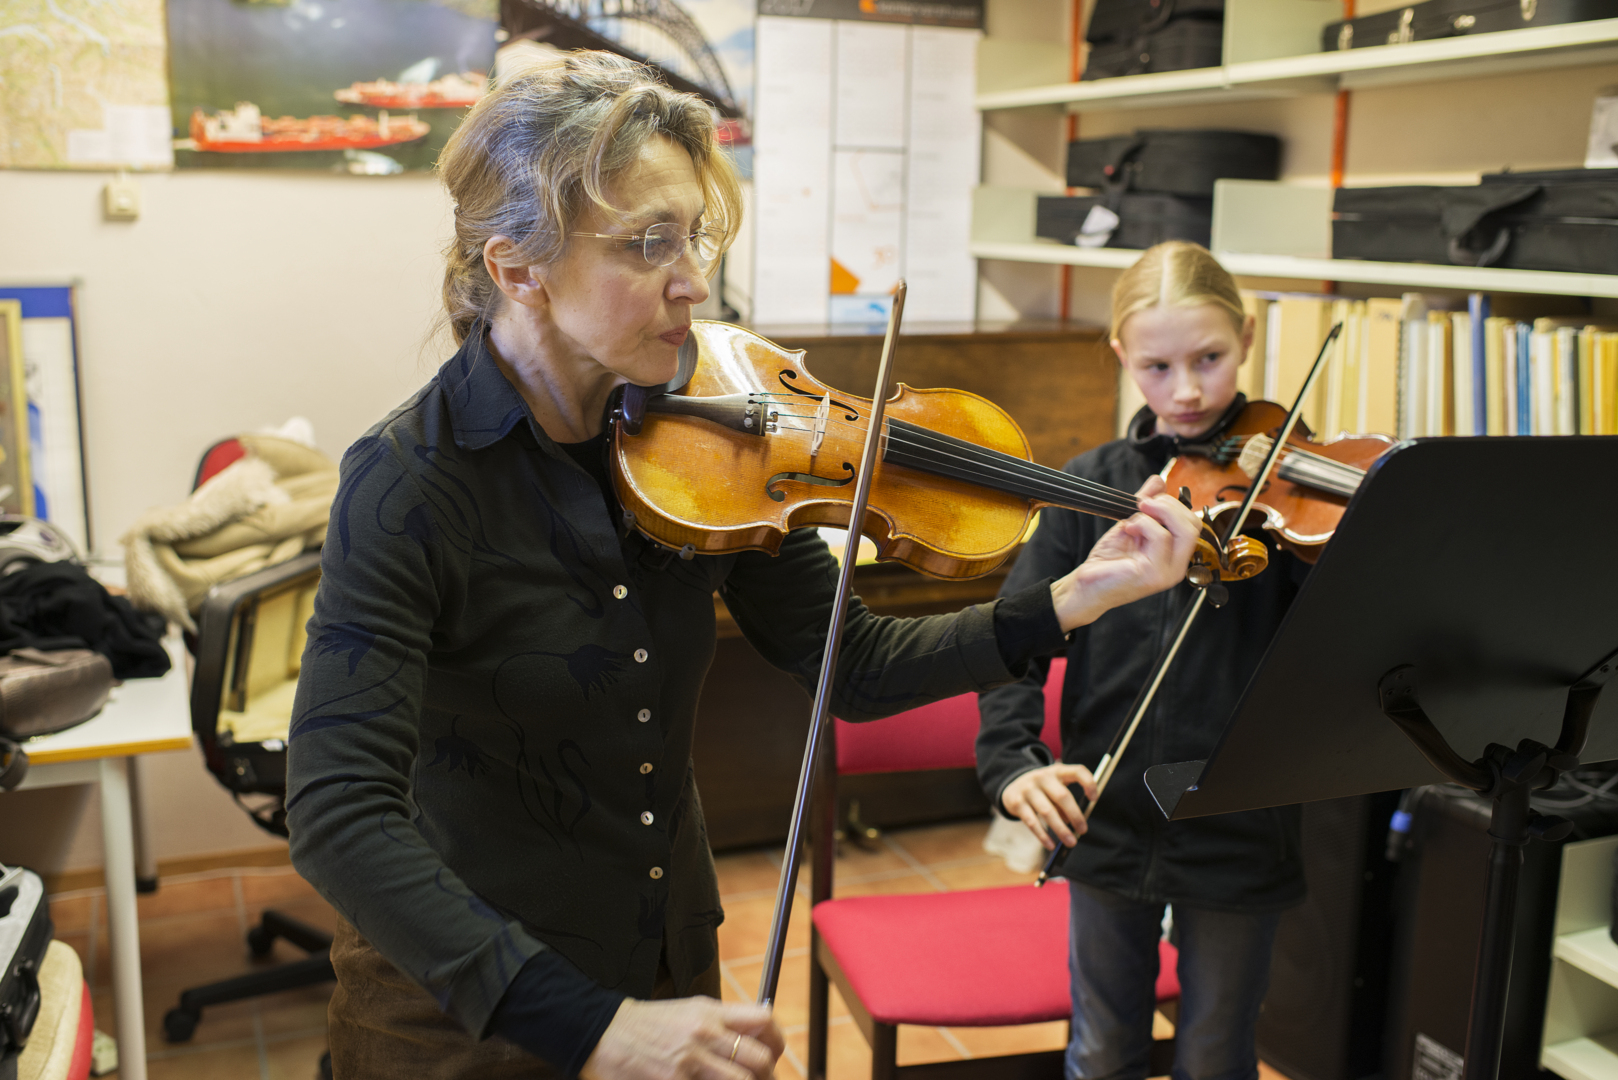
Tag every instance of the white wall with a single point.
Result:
(237, 299)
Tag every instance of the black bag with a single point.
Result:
(1144, 218)
(1452, 18)
(1560, 221)
(25, 934)
(1133, 37)
(1181, 45)
(1185, 162)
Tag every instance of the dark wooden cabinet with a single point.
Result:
(1059, 384)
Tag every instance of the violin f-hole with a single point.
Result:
(807, 478)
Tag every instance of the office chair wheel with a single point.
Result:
(260, 941)
(179, 1025)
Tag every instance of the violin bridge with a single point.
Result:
(822, 418)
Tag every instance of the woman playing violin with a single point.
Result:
(490, 757)
(1179, 331)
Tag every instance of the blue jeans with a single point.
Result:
(1112, 955)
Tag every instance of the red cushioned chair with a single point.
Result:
(971, 958)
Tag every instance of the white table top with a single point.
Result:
(142, 716)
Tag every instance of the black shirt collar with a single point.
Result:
(1143, 436)
(483, 405)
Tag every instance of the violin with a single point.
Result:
(1306, 494)
(744, 445)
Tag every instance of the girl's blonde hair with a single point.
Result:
(544, 144)
(1175, 274)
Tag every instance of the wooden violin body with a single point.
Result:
(773, 449)
(1305, 496)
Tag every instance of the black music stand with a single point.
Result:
(1459, 627)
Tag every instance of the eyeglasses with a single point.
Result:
(666, 243)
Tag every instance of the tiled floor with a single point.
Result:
(192, 932)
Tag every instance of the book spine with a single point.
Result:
(1525, 379)
(1477, 305)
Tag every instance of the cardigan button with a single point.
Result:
(645, 768)
(619, 591)
(640, 656)
(646, 818)
(644, 715)
(657, 872)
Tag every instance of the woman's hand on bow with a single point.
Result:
(1141, 555)
(694, 1038)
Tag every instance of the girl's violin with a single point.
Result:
(744, 445)
(1305, 495)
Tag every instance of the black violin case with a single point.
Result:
(1136, 37)
(1564, 220)
(25, 933)
(1453, 18)
(1144, 218)
(1184, 162)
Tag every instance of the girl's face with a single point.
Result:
(1184, 360)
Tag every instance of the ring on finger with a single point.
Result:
(735, 1046)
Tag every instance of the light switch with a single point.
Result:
(120, 200)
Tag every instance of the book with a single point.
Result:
(1509, 380)
(1461, 371)
(1525, 379)
(1413, 341)
(1494, 375)
(1478, 307)
(1586, 380)
(1379, 371)
(1350, 410)
(1605, 378)
(1303, 323)
(1436, 395)
(1250, 377)
(1336, 373)
(1566, 375)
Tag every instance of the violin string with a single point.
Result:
(1032, 471)
(1053, 485)
(1032, 479)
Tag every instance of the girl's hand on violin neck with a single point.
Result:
(1141, 555)
(1042, 800)
(694, 1038)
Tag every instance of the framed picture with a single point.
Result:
(49, 396)
(16, 482)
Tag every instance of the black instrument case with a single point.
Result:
(1144, 218)
(1185, 162)
(1137, 37)
(1453, 18)
(1565, 220)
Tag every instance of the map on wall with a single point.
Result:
(83, 84)
(369, 87)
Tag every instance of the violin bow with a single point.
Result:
(828, 666)
(1148, 690)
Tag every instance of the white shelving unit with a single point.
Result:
(1581, 1011)
(1272, 49)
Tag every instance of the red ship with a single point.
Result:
(450, 92)
(244, 130)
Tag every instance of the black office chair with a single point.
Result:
(248, 645)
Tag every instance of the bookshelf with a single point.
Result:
(1581, 1011)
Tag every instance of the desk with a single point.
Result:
(143, 716)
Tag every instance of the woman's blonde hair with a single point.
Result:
(1175, 274)
(541, 146)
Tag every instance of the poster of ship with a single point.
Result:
(370, 87)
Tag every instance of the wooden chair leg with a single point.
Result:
(884, 1052)
(819, 1004)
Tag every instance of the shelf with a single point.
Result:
(1590, 1058)
(1504, 52)
(1411, 275)
(1592, 952)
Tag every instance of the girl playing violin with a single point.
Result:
(1180, 333)
(490, 770)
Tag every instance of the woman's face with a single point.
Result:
(607, 302)
(1184, 361)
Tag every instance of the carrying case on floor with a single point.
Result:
(1135, 37)
(1452, 18)
(1174, 162)
(1565, 220)
(1140, 220)
(25, 934)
